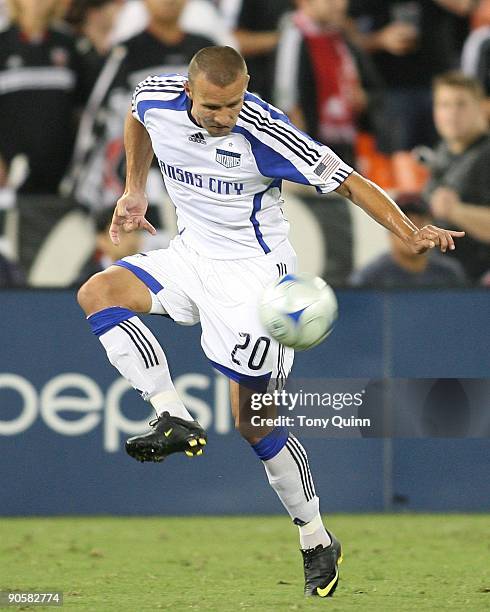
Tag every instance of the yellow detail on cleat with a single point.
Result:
(193, 442)
(199, 452)
(324, 592)
(340, 559)
(167, 433)
(202, 441)
(189, 454)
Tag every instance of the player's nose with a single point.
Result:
(224, 119)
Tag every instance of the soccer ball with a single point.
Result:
(298, 310)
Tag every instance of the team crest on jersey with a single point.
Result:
(228, 159)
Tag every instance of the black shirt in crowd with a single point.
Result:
(100, 171)
(441, 37)
(468, 174)
(40, 93)
(262, 16)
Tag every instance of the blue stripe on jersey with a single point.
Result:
(255, 223)
(177, 104)
(257, 204)
(270, 162)
(257, 383)
(151, 282)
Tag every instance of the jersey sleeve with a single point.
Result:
(282, 151)
(165, 91)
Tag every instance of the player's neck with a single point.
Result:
(168, 33)
(410, 263)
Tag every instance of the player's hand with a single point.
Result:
(430, 236)
(129, 215)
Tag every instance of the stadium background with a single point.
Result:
(64, 413)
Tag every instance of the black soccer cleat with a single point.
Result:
(168, 435)
(321, 568)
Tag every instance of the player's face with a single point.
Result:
(216, 108)
(458, 114)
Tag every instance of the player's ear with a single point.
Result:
(187, 89)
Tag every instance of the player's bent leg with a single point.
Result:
(115, 286)
(288, 471)
(111, 299)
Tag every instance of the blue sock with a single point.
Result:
(271, 444)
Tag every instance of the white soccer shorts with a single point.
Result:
(223, 295)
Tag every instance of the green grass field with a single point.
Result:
(391, 562)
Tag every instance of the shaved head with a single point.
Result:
(220, 66)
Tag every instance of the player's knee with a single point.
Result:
(114, 287)
(94, 294)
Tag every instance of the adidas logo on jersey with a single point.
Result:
(198, 137)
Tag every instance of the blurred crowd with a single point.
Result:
(399, 89)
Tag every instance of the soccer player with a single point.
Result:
(223, 153)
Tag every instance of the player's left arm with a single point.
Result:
(373, 200)
(129, 214)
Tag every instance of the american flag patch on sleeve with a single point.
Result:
(327, 167)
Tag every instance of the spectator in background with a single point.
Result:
(106, 253)
(475, 60)
(459, 187)
(320, 77)
(11, 276)
(202, 17)
(40, 92)
(319, 82)
(98, 168)
(257, 34)
(411, 42)
(93, 23)
(401, 268)
(4, 18)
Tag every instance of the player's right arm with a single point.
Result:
(130, 210)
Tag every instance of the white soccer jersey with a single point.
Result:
(227, 189)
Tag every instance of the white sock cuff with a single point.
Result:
(310, 528)
(161, 400)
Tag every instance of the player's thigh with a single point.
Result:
(233, 337)
(168, 276)
(115, 286)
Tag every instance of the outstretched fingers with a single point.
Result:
(440, 237)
